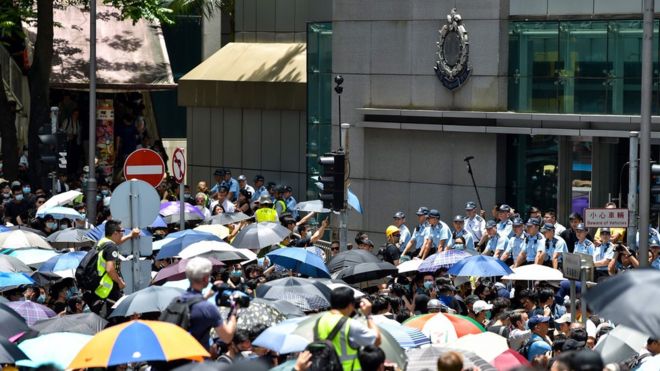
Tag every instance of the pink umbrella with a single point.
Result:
(177, 271)
(509, 359)
(32, 312)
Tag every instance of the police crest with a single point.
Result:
(452, 66)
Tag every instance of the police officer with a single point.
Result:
(280, 204)
(417, 239)
(516, 242)
(504, 225)
(231, 184)
(107, 266)
(555, 246)
(266, 213)
(474, 223)
(399, 221)
(259, 188)
(290, 201)
(534, 245)
(217, 175)
(242, 184)
(460, 231)
(437, 236)
(583, 245)
(603, 253)
(496, 243)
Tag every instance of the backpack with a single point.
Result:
(178, 311)
(87, 276)
(524, 351)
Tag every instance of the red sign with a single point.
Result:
(145, 165)
(178, 165)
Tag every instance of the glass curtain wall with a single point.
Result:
(591, 67)
(319, 99)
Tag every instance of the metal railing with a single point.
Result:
(12, 77)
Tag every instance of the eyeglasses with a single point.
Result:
(397, 235)
(334, 248)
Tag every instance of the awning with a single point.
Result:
(129, 56)
(249, 75)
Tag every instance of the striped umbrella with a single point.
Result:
(32, 312)
(306, 302)
(444, 328)
(64, 264)
(407, 337)
(443, 259)
(426, 358)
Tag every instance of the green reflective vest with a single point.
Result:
(106, 283)
(347, 354)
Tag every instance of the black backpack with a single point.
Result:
(178, 311)
(87, 276)
(524, 351)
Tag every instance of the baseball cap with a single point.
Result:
(459, 218)
(581, 227)
(265, 199)
(517, 221)
(219, 172)
(423, 210)
(572, 344)
(548, 227)
(480, 306)
(242, 177)
(586, 360)
(533, 221)
(288, 189)
(399, 215)
(535, 320)
(566, 318)
(504, 208)
(491, 224)
(605, 230)
(433, 213)
(470, 205)
(654, 242)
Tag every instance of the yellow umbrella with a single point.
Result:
(138, 341)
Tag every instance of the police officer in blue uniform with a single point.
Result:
(516, 242)
(416, 241)
(496, 243)
(460, 231)
(555, 246)
(400, 222)
(504, 225)
(534, 245)
(474, 223)
(583, 245)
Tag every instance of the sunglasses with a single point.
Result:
(334, 248)
(396, 235)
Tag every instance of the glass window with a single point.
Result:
(580, 175)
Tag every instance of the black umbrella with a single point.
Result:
(229, 218)
(295, 285)
(27, 229)
(349, 258)
(617, 300)
(258, 313)
(9, 352)
(11, 323)
(82, 323)
(45, 278)
(366, 272)
(287, 308)
(70, 237)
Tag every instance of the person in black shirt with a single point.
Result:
(390, 253)
(17, 209)
(569, 235)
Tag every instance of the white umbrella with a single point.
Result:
(409, 266)
(650, 364)
(157, 245)
(207, 248)
(60, 199)
(33, 257)
(311, 206)
(620, 344)
(60, 212)
(486, 345)
(217, 229)
(21, 239)
(534, 272)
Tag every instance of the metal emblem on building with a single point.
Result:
(452, 66)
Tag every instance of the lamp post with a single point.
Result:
(91, 176)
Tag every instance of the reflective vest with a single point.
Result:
(266, 215)
(282, 204)
(347, 354)
(106, 283)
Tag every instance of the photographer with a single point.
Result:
(204, 315)
(623, 260)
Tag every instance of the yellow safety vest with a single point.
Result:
(265, 215)
(106, 283)
(280, 202)
(347, 354)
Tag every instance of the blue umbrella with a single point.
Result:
(31, 257)
(68, 261)
(12, 279)
(300, 260)
(60, 212)
(480, 266)
(158, 223)
(443, 259)
(281, 339)
(407, 337)
(174, 247)
(99, 231)
(50, 349)
(4, 229)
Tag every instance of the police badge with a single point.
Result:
(452, 66)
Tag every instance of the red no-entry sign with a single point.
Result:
(145, 165)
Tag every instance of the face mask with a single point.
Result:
(428, 284)
(83, 215)
(105, 192)
(26, 190)
(527, 325)
(488, 315)
(236, 273)
(51, 225)
(41, 299)
(64, 226)
(459, 246)
(187, 195)
(18, 197)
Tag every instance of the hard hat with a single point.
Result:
(391, 230)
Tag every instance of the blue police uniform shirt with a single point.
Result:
(291, 205)
(655, 264)
(556, 244)
(533, 245)
(496, 243)
(215, 188)
(467, 236)
(476, 226)
(418, 235)
(505, 228)
(602, 252)
(257, 193)
(405, 236)
(515, 246)
(438, 233)
(232, 185)
(586, 247)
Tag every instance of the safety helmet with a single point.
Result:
(391, 230)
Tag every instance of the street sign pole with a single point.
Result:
(645, 133)
(135, 246)
(583, 292)
(633, 161)
(182, 207)
(573, 306)
(179, 172)
(343, 216)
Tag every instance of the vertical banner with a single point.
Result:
(105, 143)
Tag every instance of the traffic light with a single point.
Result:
(655, 187)
(332, 178)
(52, 152)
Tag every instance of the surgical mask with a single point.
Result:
(488, 315)
(527, 325)
(51, 225)
(236, 273)
(64, 226)
(105, 192)
(428, 284)
(18, 197)
(187, 195)
(41, 299)
(459, 246)
(27, 190)
(83, 215)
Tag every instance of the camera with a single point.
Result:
(228, 297)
